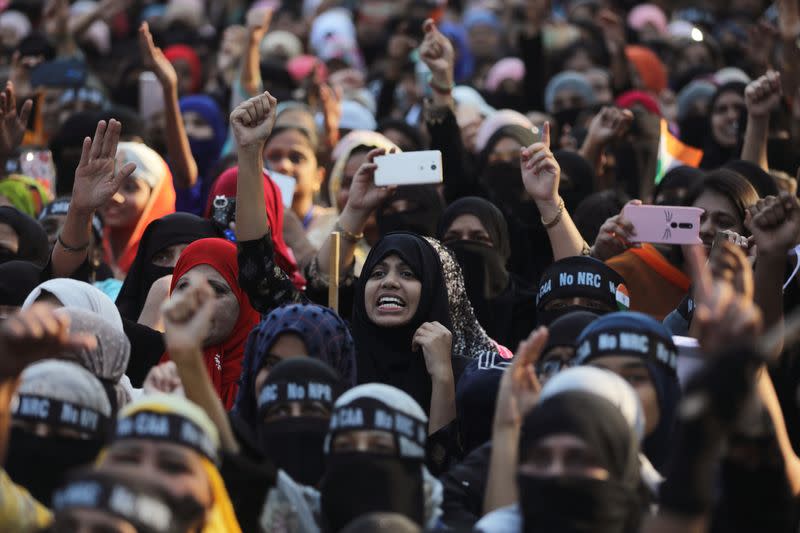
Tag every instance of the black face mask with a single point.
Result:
(484, 269)
(295, 444)
(40, 464)
(356, 484)
(504, 181)
(7, 255)
(574, 505)
(567, 116)
(547, 317)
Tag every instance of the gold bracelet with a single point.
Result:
(352, 237)
(557, 218)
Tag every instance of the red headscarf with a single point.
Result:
(182, 52)
(153, 170)
(223, 361)
(650, 68)
(226, 186)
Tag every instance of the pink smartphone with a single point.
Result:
(667, 224)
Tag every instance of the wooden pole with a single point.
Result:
(333, 284)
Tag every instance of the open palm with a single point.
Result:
(154, 59)
(97, 177)
(12, 126)
(540, 170)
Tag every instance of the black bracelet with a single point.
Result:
(71, 249)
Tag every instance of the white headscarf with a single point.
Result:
(78, 295)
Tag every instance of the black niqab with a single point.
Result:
(424, 207)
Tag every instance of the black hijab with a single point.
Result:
(761, 181)
(577, 178)
(575, 503)
(33, 243)
(17, 280)
(384, 355)
(177, 228)
(425, 207)
(715, 155)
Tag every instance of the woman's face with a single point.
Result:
(290, 153)
(168, 257)
(126, 207)
(568, 99)
(506, 150)
(364, 441)
(563, 455)
(185, 78)
(467, 228)
(286, 346)
(725, 119)
(226, 306)
(634, 371)
(392, 293)
(9, 240)
(196, 126)
(174, 466)
(719, 214)
(350, 169)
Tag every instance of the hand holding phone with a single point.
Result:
(409, 168)
(664, 224)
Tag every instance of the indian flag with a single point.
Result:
(673, 153)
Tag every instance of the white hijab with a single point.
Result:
(79, 295)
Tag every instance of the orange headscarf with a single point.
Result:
(151, 168)
(649, 67)
(223, 361)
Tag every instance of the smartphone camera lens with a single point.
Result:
(674, 225)
(433, 167)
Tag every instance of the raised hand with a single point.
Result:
(541, 172)
(775, 223)
(365, 196)
(155, 60)
(438, 54)
(258, 22)
(436, 343)
(615, 236)
(55, 18)
(97, 177)
(252, 121)
(609, 124)
(520, 387)
(187, 319)
(36, 333)
(163, 378)
(728, 264)
(763, 95)
(12, 125)
(331, 99)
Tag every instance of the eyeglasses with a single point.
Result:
(551, 367)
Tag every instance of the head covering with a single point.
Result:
(577, 178)
(281, 44)
(60, 207)
(465, 62)
(568, 80)
(224, 361)
(174, 419)
(109, 359)
(17, 280)
(630, 99)
(579, 276)
(509, 68)
(466, 95)
(356, 483)
(25, 193)
(731, 75)
(574, 503)
(177, 228)
(153, 170)
(356, 117)
(78, 295)
(226, 186)
(499, 120)
(714, 154)
(324, 333)
(382, 522)
(680, 177)
(761, 181)
(181, 52)
(301, 67)
(33, 245)
(384, 355)
(425, 206)
(478, 16)
(649, 67)
(206, 152)
(145, 505)
(696, 90)
(64, 396)
(476, 401)
(333, 22)
(295, 444)
(490, 216)
(564, 330)
(644, 15)
(639, 335)
(98, 33)
(412, 132)
(297, 116)
(344, 149)
(17, 22)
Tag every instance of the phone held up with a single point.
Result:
(664, 224)
(409, 168)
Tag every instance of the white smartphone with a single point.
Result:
(409, 168)
(664, 223)
(286, 184)
(151, 96)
